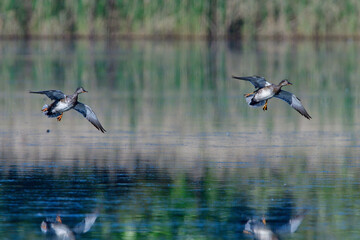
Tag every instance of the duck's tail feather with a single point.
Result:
(49, 114)
(253, 104)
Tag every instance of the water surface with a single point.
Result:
(184, 157)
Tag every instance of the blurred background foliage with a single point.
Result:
(179, 18)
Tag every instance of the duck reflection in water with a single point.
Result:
(260, 230)
(55, 229)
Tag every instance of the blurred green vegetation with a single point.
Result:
(233, 18)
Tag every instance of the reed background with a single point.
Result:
(179, 18)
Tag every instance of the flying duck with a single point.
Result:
(63, 103)
(265, 90)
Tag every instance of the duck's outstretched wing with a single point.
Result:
(258, 82)
(89, 114)
(85, 225)
(293, 101)
(292, 225)
(52, 94)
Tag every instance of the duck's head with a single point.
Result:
(80, 90)
(58, 219)
(44, 226)
(284, 83)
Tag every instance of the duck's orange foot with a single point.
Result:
(248, 94)
(265, 106)
(59, 117)
(44, 110)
